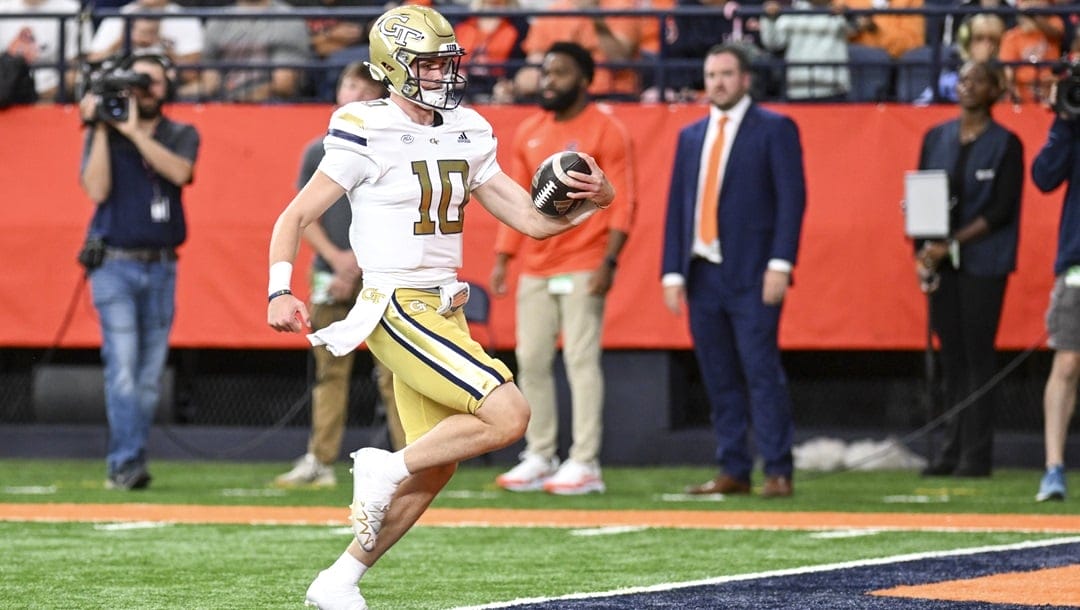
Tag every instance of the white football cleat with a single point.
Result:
(325, 593)
(372, 492)
(575, 478)
(529, 474)
(307, 472)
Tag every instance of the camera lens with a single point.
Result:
(114, 108)
(1072, 94)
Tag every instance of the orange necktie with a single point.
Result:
(710, 193)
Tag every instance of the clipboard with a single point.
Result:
(926, 204)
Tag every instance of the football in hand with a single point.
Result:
(550, 190)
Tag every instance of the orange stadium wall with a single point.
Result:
(854, 285)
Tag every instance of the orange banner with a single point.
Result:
(854, 284)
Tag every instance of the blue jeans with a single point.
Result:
(135, 303)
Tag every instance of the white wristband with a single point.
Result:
(280, 276)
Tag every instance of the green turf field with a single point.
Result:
(149, 565)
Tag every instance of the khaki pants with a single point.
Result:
(540, 318)
(330, 394)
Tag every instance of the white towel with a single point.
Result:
(344, 336)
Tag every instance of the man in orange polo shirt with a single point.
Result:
(565, 279)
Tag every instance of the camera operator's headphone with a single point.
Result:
(162, 60)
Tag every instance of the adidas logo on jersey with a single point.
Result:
(463, 139)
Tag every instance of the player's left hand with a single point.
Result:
(593, 187)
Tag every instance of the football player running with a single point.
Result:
(409, 165)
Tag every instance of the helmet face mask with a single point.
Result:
(402, 39)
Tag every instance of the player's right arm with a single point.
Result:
(345, 164)
(285, 312)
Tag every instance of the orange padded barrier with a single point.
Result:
(854, 284)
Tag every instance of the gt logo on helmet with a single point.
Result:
(394, 27)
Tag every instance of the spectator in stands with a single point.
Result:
(978, 39)
(260, 43)
(145, 40)
(335, 282)
(336, 41)
(689, 37)
(966, 274)
(534, 6)
(734, 219)
(490, 40)
(818, 38)
(36, 40)
(179, 38)
(109, 5)
(609, 39)
(1058, 162)
(16, 80)
(895, 33)
(951, 24)
(1071, 19)
(1034, 39)
(565, 280)
(134, 171)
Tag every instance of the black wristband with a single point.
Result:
(611, 261)
(274, 295)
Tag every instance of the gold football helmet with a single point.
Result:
(408, 33)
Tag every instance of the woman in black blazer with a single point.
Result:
(967, 273)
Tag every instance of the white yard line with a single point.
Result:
(1031, 544)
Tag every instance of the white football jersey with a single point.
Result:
(408, 186)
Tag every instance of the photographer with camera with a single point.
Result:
(135, 163)
(1059, 161)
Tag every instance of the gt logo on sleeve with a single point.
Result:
(394, 27)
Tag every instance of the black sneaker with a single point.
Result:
(135, 477)
(939, 469)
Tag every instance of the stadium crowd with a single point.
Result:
(646, 50)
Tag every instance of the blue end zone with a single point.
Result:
(842, 588)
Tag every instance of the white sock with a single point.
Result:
(396, 470)
(348, 568)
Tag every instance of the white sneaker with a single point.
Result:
(575, 478)
(529, 474)
(325, 593)
(372, 492)
(307, 472)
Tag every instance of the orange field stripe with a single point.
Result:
(321, 515)
(1047, 587)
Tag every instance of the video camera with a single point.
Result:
(113, 80)
(1067, 102)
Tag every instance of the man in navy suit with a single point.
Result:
(734, 215)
